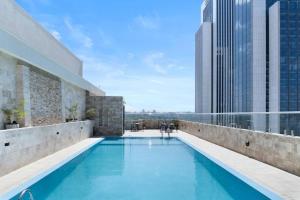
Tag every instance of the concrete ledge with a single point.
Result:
(274, 149)
(19, 147)
(15, 182)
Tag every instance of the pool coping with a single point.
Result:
(262, 189)
(19, 180)
(14, 182)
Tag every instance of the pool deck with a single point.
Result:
(273, 182)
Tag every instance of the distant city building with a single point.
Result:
(247, 56)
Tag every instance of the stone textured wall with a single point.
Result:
(27, 145)
(45, 98)
(109, 114)
(7, 84)
(277, 150)
(72, 95)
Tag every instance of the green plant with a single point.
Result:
(8, 115)
(19, 112)
(73, 111)
(14, 115)
(90, 113)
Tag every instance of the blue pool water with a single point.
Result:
(142, 169)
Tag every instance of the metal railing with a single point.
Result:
(24, 192)
(287, 123)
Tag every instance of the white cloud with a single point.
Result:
(161, 63)
(141, 90)
(130, 56)
(105, 39)
(154, 60)
(175, 95)
(56, 34)
(148, 22)
(78, 34)
(159, 82)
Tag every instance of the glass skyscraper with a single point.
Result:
(238, 65)
(255, 49)
(284, 55)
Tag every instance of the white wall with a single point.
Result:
(7, 84)
(28, 42)
(18, 23)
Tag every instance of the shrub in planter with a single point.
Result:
(8, 117)
(73, 112)
(19, 112)
(13, 116)
(91, 114)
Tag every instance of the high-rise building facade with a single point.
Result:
(255, 48)
(238, 65)
(284, 40)
(204, 71)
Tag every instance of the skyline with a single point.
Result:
(248, 56)
(145, 54)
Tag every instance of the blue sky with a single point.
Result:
(140, 49)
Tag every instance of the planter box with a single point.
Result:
(12, 126)
(71, 120)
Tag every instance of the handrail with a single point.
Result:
(212, 114)
(25, 192)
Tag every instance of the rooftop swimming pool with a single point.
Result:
(142, 169)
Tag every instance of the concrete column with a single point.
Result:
(274, 47)
(259, 56)
(203, 69)
(274, 76)
(23, 92)
(109, 114)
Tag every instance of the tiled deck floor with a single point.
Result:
(256, 173)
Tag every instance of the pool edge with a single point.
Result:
(13, 191)
(260, 188)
